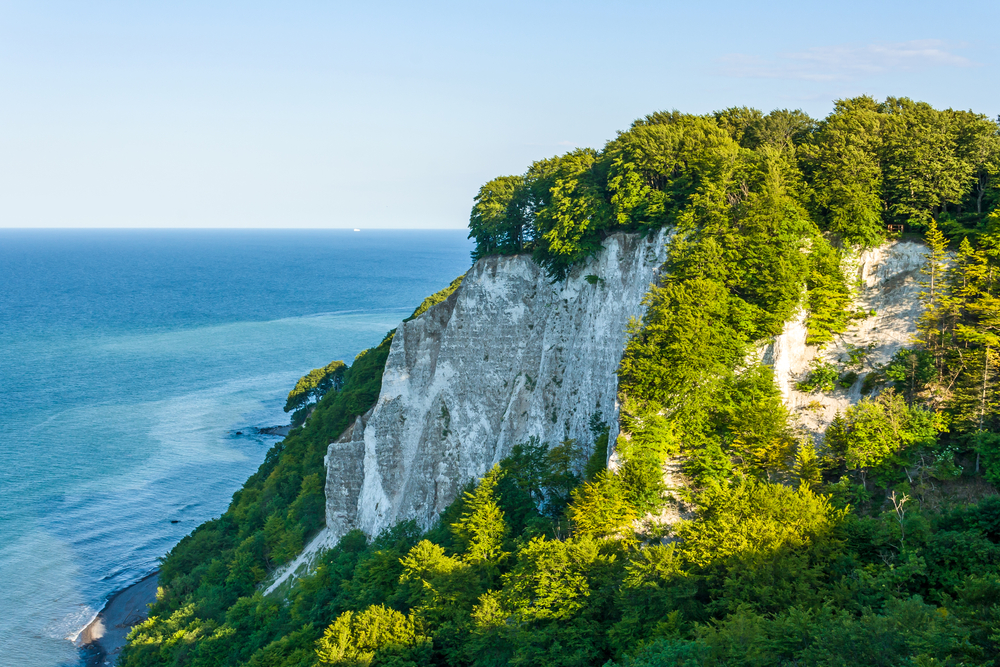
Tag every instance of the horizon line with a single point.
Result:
(290, 229)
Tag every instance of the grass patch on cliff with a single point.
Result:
(436, 298)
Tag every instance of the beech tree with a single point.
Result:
(923, 171)
(354, 639)
(500, 221)
(846, 162)
(569, 226)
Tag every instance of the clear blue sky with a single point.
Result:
(330, 114)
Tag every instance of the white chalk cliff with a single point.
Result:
(510, 355)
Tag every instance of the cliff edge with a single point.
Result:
(508, 356)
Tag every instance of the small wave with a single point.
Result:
(74, 621)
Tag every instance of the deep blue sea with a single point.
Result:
(129, 362)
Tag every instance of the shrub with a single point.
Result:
(822, 376)
(848, 379)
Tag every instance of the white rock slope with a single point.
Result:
(889, 279)
(508, 356)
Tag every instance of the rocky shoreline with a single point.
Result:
(281, 431)
(104, 638)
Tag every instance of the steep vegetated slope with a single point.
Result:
(869, 536)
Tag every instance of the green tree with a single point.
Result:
(934, 297)
(501, 220)
(568, 227)
(910, 371)
(784, 129)
(658, 163)
(480, 531)
(880, 429)
(922, 170)
(683, 346)
(828, 297)
(424, 566)
(354, 639)
(561, 476)
(757, 423)
(315, 384)
(835, 437)
(742, 124)
(554, 601)
(974, 404)
(807, 465)
(600, 508)
(747, 517)
(846, 165)
(781, 129)
(978, 145)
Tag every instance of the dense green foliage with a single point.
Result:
(866, 165)
(879, 545)
(766, 575)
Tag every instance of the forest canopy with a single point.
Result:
(864, 167)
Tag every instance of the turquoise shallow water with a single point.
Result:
(129, 360)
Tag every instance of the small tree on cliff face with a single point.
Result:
(315, 384)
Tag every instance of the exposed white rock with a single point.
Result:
(888, 279)
(508, 356)
(302, 565)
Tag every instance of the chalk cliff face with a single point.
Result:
(889, 285)
(508, 356)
